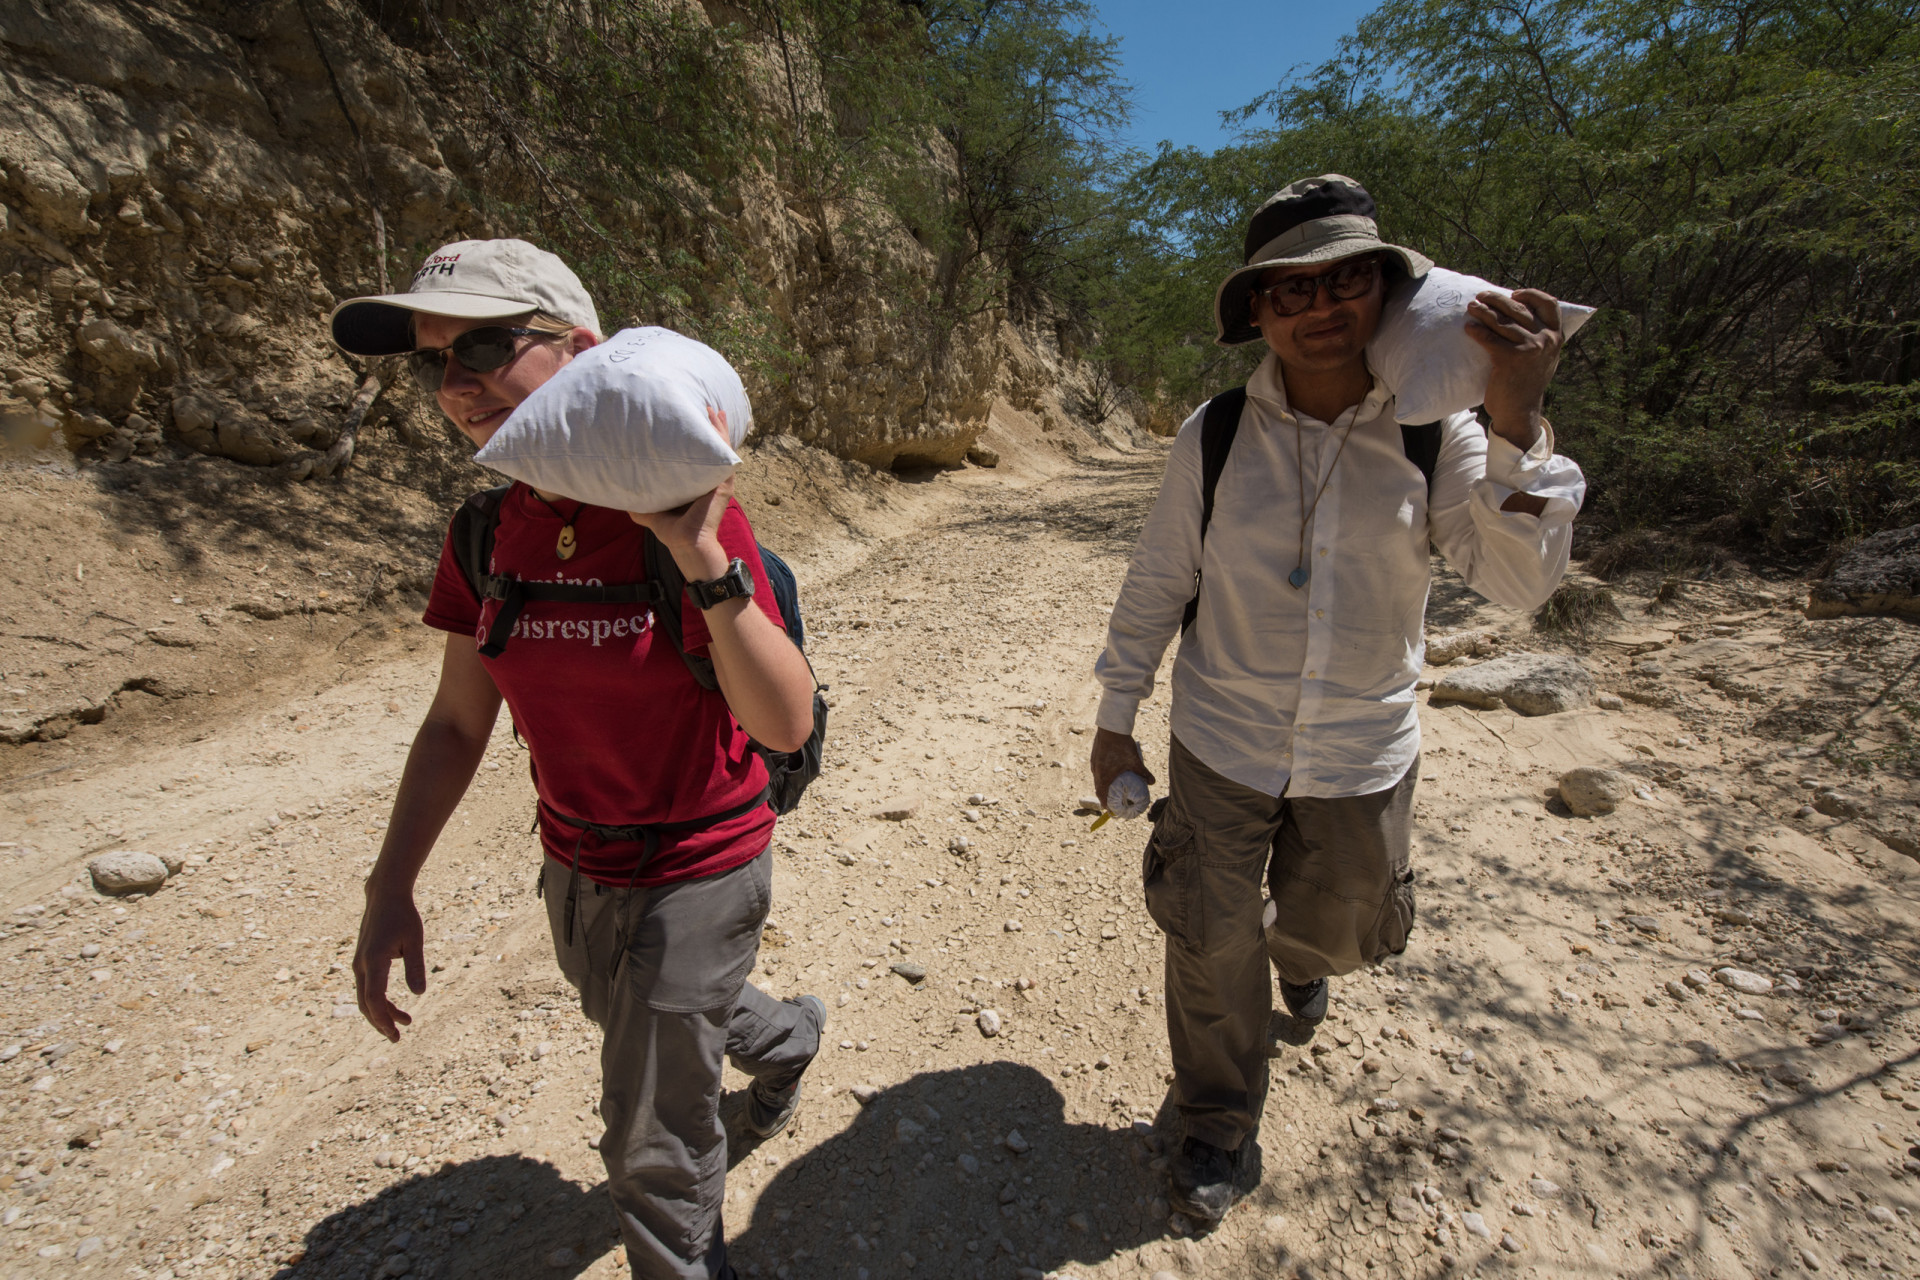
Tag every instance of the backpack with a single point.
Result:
(1420, 442)
(788, 772)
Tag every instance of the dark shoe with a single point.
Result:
(1201, 1180)
(1307, 1002)
(771, 1103)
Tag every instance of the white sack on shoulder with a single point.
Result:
(625, 424)
(1421, 350)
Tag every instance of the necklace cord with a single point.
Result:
(1300, 464)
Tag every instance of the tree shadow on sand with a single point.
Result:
(924, 1183)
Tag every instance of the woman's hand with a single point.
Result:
(691, 534)
(390, 930)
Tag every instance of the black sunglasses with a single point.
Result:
(482, 350)
(1344, 283)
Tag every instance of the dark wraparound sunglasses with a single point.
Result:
(1344, 283)
(482, 350)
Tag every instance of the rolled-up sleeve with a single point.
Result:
(1510, 557)
(1158, 585)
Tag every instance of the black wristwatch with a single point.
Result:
(735, 584)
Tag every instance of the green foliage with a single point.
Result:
(1735, 184)
(983, 127)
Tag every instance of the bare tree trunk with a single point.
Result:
(341, 452)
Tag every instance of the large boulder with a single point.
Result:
(1531, 684)
(1877, 578)
(127, 871)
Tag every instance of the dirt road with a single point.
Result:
(1535, 1086)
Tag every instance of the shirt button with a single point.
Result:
(1312, 674)
(1323, 551)
(1319, 613)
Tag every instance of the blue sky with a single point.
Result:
(1192, 59)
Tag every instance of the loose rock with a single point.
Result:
(127, 871)
(1744, 981)
(1590, 792)
(1531, 684)
(1459, 644)
(989, 1023)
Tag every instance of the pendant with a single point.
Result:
(1298, 578)
(566, 546)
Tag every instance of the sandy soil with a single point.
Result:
(1533, 1087)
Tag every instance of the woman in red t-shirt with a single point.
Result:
(620, 735)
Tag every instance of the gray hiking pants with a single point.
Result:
(676, 1007)
(1343, 892)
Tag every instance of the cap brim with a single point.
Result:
(1233, 311)
(379, 326)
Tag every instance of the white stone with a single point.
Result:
(127, 871)
(989, 1022)
(1475, 1225)
(1016, 1142)
(1531, 684)
(1590, 792)
(1744, 981)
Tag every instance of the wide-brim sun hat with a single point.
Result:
(466, 280)
(1314, 220)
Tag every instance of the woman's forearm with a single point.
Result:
(766, 680)
(439, 769)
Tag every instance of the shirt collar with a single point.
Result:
(1270, 389)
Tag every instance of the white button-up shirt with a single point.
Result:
(1308, 691)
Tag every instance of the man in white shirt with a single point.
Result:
(1296, 734)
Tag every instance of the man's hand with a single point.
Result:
(390, 930)
(1113, 755)
(1522, 335)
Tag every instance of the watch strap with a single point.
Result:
(736, 583)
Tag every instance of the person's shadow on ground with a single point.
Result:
(926, 1183)
(506, 1215)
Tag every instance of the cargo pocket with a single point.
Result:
(1169, 875)
(1396, 920)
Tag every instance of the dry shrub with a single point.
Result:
(1641, 549)
(1576, 609)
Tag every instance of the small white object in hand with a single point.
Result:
(1128, 797)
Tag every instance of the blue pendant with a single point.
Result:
(1298, 578)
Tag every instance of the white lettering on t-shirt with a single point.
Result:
(595, 631)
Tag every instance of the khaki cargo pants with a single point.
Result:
(677, 1007)
(1343, 891)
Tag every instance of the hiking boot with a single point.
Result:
(1200, 1181)
(771, 1103)
(1306, 1002)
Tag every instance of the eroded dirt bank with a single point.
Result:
(1534, 1087)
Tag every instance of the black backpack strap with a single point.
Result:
(472, 535)
(664, 574)
(1217, 430)
(1421, 442)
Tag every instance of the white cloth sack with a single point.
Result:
(625, 424)
(1421, 350)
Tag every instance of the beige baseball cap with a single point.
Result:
(468, 280)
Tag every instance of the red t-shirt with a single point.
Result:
(619, 731)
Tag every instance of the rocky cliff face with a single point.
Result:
(189, 185)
